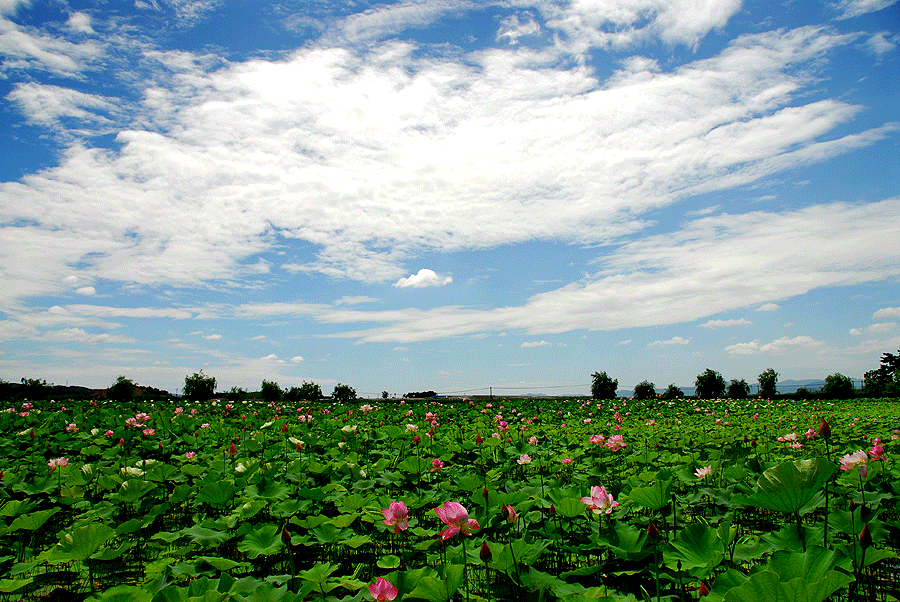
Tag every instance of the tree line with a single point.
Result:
(884, 381)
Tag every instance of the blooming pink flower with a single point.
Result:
(57, 462)
(600, 502)
(524, 459)
(457, 520)
(810, 433)
(704, 472)
(796, 445)
(598, 439)
(109, 433)
(149, 432)
(437, 465)
(72, 427)
(396, 515)
(190, 455)
(532, 440)
(857, 460)
(567, 460)
(615, 443)
(877, 452)
(382, 590)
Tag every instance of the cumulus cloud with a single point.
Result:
(672, 341)
(768, 307)
(423, 278)
(881, 327)
(212, 337)
(776, 347)
(887, 312)
(86, 290)
(529, 344)
(726, 323)
(78, 335)
(297, 359)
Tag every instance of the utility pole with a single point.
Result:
(492, 393)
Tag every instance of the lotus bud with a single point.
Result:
(485, 553)
(652, 531)
(552, 510)
(478, 439)
(286, 538)
(824, 430)
(703, 590)
(865, 538)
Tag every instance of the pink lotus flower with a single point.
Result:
(149, 432)
(704, 472)
(437, 465)
(55, 463)
(382, 590)
(532, 440)
(567, 460)
(615, 443)
(524, 459)
(810, 433)
(877, 452)
(396, 515)
(598, 439)
(190, 455)
(857, 460)
(600, 502)
(457, 520)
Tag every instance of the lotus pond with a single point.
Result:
(451, 499)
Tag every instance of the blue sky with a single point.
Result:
(447, 194)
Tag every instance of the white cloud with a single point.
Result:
(768, 307)
(213, 337)
(86, 290)
(625, 342)
(9, 7)
(80, 23)
(879, 43)
(855, 8)
(512, 29)
(725, 323)
(887, 312)
(423, 278)
(77, 335)
(881, 327)
(528, 344)
(779, 346)
(297, 359)
(128, 312)
(855, 331)
(672, 341)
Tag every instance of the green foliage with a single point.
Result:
(270, 391)
(199, 387)
(710, 385)
(672, 392)
(884, 381)
(384, 394)
(768, 382)
(122, 390)
(602, 386)
(343, 393)
(837, 386)
(738, 389)
(644, 390)
(308, 391)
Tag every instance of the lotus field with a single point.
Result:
(451, 499)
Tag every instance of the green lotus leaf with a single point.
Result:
(205, 536)
(793, 486)
(32, 521)
(697, 545)
(133, 490)
(82, 542)
(656, 497)
(263, 541)
(220, 493)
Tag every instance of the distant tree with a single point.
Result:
(384, 394)
(672, 392)
(837, 386)
(767, 383)
(884, 381)
(802, 393)
(710, 385)
(420, 394)
(644, 390)
(343, 393)
(33, 388)
(122, 390)
(602, 386)
(270, 390)
(738, 389)
(236, 394)
(308, 391)
(199, 387)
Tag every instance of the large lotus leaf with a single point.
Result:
(697, 545)
(813, 565)
(434, 589)
(82, 542)
(570, 507)
(220, 493)
(765, 586)
(123, 593)
(32, 521)
(16, 507)
(656, 497)
(271, 491)
(263, 541)
(205, 536)
(793, 486)
(133, 490)
(626, 541)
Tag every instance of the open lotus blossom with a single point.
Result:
(877, 452)
(857, 460)
(396, 515)
(598, 439)
(382, 589)
(615, 443)
(55, 463)
(436, 465)
(600, 502)
(524, 459)
(457, 520)
(704, 472)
